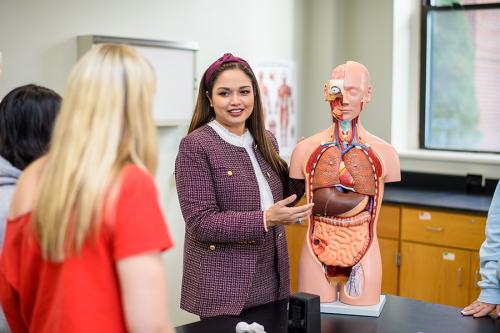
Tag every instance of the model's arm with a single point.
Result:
(389, 159)
(298, 159)
(144, 295)
(393, 170)
(297, 182)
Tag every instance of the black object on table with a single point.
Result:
(304, 313)
(400, 315)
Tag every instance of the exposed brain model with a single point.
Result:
(345, 168)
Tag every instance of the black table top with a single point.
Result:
(400, 315)
(473, 203)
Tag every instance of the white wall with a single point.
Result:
(38, 42)
(370, 42)
(323, 47)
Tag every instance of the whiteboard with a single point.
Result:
(174, 64)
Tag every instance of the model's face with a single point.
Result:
(347, 93)
(232, 100)
(352, 98)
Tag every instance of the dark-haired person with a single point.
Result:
(27, 115)
(231, 185)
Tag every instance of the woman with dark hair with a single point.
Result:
(231, 183)
(27, 115)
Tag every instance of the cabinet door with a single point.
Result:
(435, 274)
(389, 254)
(295, 235)
(388, 221)
(475, 277)
(440, 228)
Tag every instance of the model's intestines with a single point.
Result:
(341, 242)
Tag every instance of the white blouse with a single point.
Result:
(246, 141)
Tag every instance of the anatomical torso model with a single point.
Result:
(345, 169)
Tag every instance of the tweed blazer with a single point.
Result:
(220, 201)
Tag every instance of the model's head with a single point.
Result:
(229, 93)
(105, 123)
(27, 115)
(348, 90)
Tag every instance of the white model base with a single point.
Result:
(354, 310)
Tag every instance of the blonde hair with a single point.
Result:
(105, 123)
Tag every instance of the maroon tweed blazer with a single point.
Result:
(220, 202)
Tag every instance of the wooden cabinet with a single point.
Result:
(464, 231)
(389, 221)
(389, 252)
(435, 274)
(388, 237)
(437, 264)
(295, 235)
(475, 277)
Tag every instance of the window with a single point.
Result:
(460, 75)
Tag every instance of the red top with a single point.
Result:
(81, 294)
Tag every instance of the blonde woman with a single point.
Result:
(85, 230)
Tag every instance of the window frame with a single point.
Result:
(426, 8)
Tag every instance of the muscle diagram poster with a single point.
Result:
(277, 81)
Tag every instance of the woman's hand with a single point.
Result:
(279, 213)
(479, 309)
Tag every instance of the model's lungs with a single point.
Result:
(362, 171)
(326, 170)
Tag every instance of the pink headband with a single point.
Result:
(227, 57)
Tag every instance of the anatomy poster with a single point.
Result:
(277, 81)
